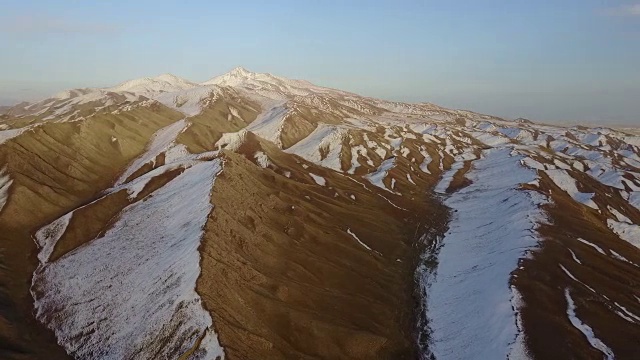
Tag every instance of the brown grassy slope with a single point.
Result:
(283, 278)
(93, 220)
(207, 127)
(56, 168)
(296, 127)
(542, 282)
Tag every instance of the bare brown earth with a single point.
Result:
(549, 333)
(92, 220)
(55, 168)
(459, 180)
(283, 278)
(207, 127)
(295, 128)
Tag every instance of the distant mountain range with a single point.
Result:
(257, 217)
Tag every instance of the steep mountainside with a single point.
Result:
(257, 217)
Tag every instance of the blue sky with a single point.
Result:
(562, 60)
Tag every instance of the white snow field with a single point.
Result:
(120, 295)
(470, 301)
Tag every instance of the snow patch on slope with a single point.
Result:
(262, 159)
(568, 184)
(232, 141)
(11, 133)
(358, 240)
(268, 125)
(161, 142)
(188, 101)
(594, 246)
(5, 183)
(322, 146)
(381, 172)
(626, 231)
(47, 237)
(121, 294)
(424, 166)
(447, 178)
(470, 303)
(585, 329)
(136, 186)
(519, 348)
(318, 179)
(634, 199)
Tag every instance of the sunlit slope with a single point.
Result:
(257, 217)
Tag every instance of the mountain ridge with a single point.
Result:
(335, 226)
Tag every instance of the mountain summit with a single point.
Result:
(240, 76)
(239, 71)
(253, 216)
(161, 83)
(236, 74)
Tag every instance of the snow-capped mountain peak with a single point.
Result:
(161, 83)
(235, 76)
(266, 85)
(240, 75)
(240, 71)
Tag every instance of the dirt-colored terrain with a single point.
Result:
(286, 280)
